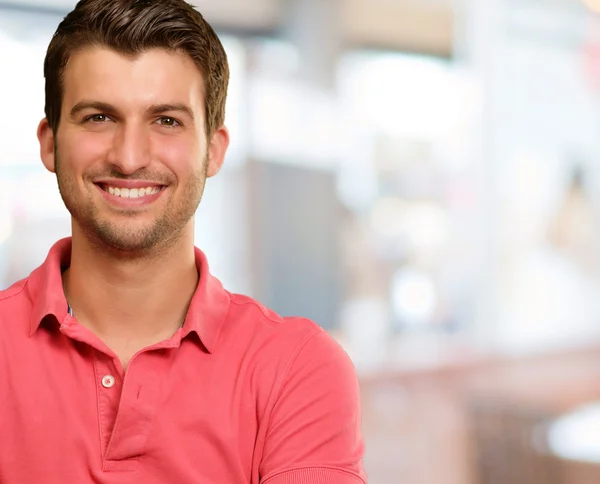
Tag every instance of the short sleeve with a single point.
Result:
(314, 433)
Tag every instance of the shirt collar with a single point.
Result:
(205, 316)
(209, 306)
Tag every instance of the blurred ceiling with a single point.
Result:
(411, 25)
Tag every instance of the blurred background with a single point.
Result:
(422, 179)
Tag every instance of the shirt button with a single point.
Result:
(108, 381)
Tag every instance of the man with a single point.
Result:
(122, 360)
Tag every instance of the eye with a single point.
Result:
(97, 118)
(169, 122)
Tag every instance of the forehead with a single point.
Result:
(154, 76)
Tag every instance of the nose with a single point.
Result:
(131, 148)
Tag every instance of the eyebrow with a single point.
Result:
(167, 108)
(99, 106)
(153, 110)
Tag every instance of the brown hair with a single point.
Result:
(131, 27)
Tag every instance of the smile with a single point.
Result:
(131, 192)
(130, 197)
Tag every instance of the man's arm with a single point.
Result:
(314, 431)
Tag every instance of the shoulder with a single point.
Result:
(299, 345)
(260, 320)
(15, 311)
(15, 307)
(321, 360)
(13, 298)
(287, 344)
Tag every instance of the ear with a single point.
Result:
(217, 148)
(46, 139)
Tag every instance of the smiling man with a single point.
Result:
(122, 359)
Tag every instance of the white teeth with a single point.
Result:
(132, 193)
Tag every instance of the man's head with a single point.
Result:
(135, 105)
(131, 27)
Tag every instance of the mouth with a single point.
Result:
(130, 197)
(130, 193)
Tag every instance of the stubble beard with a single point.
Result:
(133, 239)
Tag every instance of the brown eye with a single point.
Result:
(169, 122)
(98, 118)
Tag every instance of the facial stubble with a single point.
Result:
(120, 236)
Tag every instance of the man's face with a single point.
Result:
(131, 154)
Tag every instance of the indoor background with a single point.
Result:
(422, 179)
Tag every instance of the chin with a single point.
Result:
(127, 244)
(127, 238)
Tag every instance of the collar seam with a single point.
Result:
(258, 306)
(18, 293)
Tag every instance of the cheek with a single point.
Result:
(179, 155)
(83, 150)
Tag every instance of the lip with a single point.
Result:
(129, 203)
(128, 183)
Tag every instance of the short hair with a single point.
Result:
(131, 27)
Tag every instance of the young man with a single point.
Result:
(122, 360)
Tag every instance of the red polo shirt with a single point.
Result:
(238, 395)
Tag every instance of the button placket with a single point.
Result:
(141, 390)
(108, 395)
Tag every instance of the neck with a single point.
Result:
(131, 301)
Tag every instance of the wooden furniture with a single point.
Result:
(476, 422)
